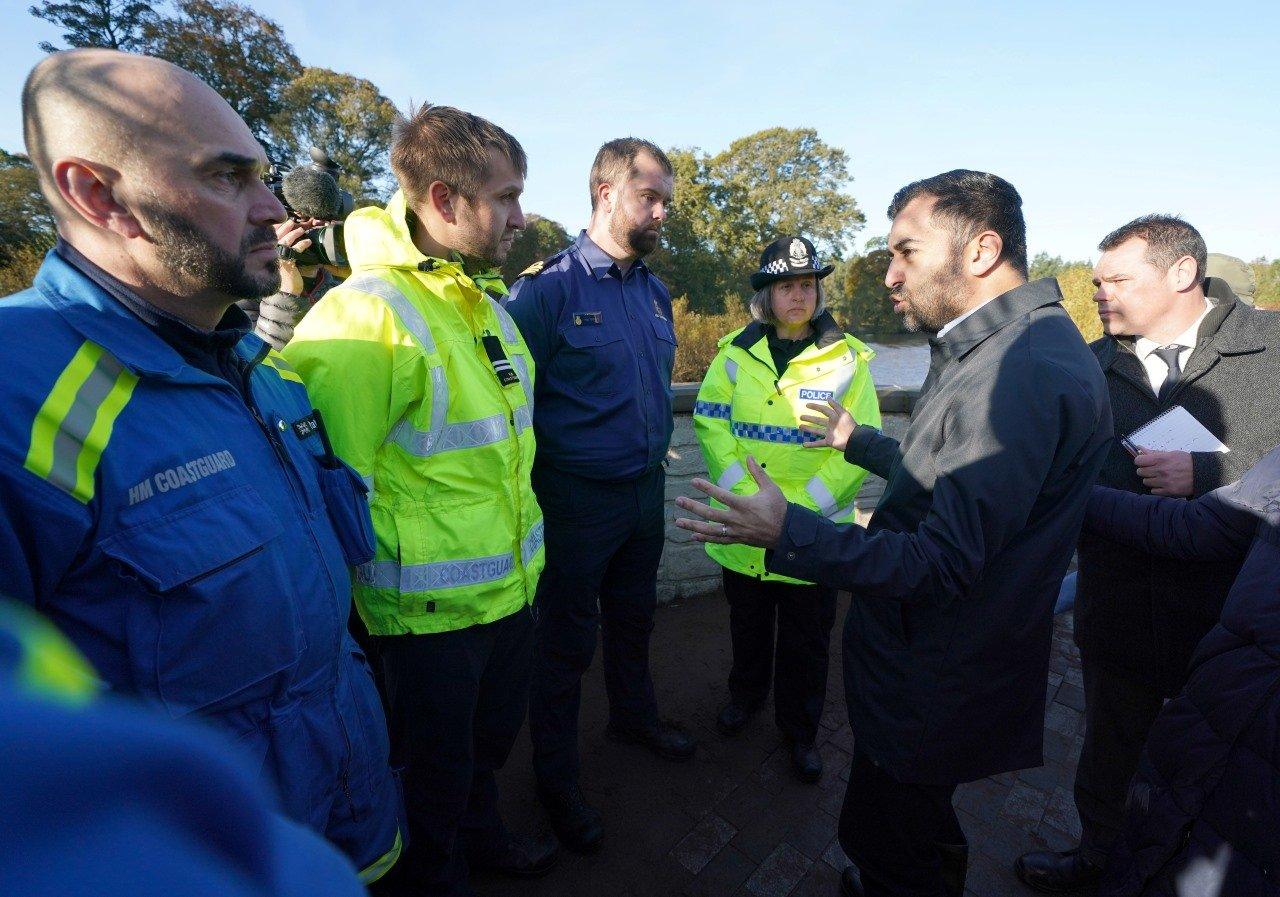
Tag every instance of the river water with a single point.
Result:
(900, 361)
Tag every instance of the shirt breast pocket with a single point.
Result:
(665, 347)
(220, 620)
(592, 358)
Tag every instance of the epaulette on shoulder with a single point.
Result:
(533, 270)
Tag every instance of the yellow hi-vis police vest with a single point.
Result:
(395, 360)
(745, 407)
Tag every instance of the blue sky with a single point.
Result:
(1097, 112)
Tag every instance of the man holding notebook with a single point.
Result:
(1174, 339)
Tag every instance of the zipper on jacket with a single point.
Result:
(296, 493)
(282, 453)
(516, 552)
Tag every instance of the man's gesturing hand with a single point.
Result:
(745, 520)
(1166, 473)
(835, 426)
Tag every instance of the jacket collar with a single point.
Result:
(101, 318)
(381, 238)
(997, 314)
(600, 264)
(828, 332)
(1225, 327)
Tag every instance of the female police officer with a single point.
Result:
(750, 403)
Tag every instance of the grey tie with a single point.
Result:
(1169, 355)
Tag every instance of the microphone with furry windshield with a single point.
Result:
(312, 191)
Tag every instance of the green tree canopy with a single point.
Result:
(240, 54)
(1045, 265)
(346, 116)
(728, 207)
(117, 24)
(687, 259)
(540, 238)
(782, 181)
(25, 217)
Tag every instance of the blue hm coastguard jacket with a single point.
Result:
(193, 547)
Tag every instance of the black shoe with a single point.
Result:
(521, 858)
(851, 882)
(576, 823)
(1051, 872)
(806, 762)
(664, 739)
(734, 716)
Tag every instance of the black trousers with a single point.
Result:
(804, 615)
(457, 701)
(893, 831)
(1119, 711)
(603, 544)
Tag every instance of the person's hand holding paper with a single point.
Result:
(1162, 451)
(1165, 473)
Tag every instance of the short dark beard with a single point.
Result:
(636, 240)
(932, 304)
(188, 251)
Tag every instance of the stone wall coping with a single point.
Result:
(893, 399)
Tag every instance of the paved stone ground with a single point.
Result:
(733, 821)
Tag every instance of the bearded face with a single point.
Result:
(196, 262)
(930, 298)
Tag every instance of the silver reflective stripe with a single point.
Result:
(841, 513)
(409, 315)
(732, 474)
(821, 496)
(531, 543)
(523, 419)
(509, 332)
(78, 421)
(368, 482)
(731, 369)
(434, 576)
(419, 442)
(468, 434)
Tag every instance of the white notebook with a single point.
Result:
(1174, 431)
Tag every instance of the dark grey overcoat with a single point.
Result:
(946, 646)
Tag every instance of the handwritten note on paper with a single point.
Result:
(1174, 431)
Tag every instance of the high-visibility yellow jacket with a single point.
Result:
(746, 407)
(394, 361)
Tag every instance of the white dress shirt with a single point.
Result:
(1157, 370)
(954, 321)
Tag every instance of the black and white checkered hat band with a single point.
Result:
(777, 266)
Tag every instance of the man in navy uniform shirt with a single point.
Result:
(598, 323)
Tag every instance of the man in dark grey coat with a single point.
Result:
(1173, 337)
(946, 646)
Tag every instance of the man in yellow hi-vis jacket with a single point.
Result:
(752, 401)
(425, 386)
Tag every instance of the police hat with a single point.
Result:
(788, 257)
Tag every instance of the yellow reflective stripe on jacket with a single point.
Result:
(379, 867)
(74, 424)
(277, 363)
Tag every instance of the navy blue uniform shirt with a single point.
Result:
(604, 348)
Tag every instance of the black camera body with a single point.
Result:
(312, 191)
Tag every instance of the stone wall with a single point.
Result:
(686, 570)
